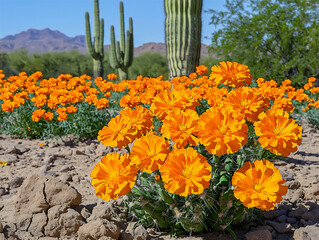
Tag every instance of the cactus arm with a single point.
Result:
(121, 52)
(101, 43)
(88, 34)
(129, 47)
(113, 56)
(122, 29)
(96, 25)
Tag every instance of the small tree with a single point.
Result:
(277, 39)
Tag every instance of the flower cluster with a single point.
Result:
(172, 151)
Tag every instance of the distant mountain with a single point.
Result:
(47, 40)
(42, 41)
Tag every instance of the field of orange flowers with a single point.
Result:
(199, 146)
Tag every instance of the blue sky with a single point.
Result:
(67, 16)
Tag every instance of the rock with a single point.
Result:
(48, 159)
(291, 220)
(2, 191)
(23, 221)
(23, 235)
(37, 225)
(37, 193)
(297, 195)
(98, 228)
(298, 212)
(262, 234)
(281, 227)
(63, 221)
(13, 150)
(312, 215)
(312, 192)
(306, 233)
(16, 182)
(85, 213)
(66, 178)
(282, 219)
(66, 168)
(9, 158)
(126, 236)
(79, 152)
(294, 185)
(273, 213)
(30, 196)
(130, 228)
(140, 233)
(58, 193)
(103, 211)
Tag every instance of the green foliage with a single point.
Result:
(95, 49)
(50, 64)
(277, 39)
(183, 27)
(149, 65)
(121, 53)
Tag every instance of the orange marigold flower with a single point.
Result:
(186, 172)
(107, 94)
(259, 185)
(113, 176)
(63, 116)
(37, 115)
(179, 126)
(7, 106)
(40, 100)
(17, 101)
(231, 74)
(215, 95)
(91, 99)
(71, 109)
(284, 104)
(111, 76)
(157, 177)
(277, 132)
(167, 101)
(61, 110)
(101, 103)
(193, 75)
(48, 116)
(247, 101)
(222, 130)
(314, 90)
(201, 70)
(129, 101)
(119, 132)
(140, 118)
(149, 152)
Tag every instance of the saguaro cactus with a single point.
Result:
(121, 53)
(183, 26)
(96, 49)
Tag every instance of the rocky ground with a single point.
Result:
(46, 193)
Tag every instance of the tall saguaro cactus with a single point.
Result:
(183, 26)
(121, 53)
(96, 49)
